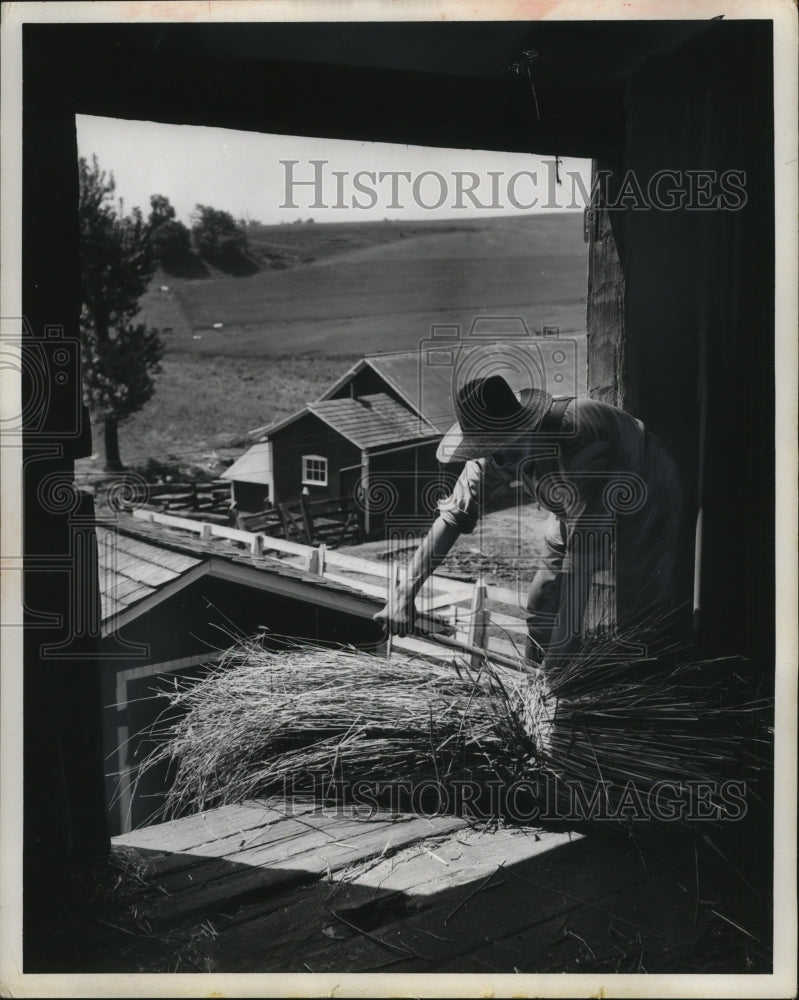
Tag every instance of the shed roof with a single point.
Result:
(369, 421)
(254, 466)
(426, 388)
(424, 378)
(132, 570)
(372, 420)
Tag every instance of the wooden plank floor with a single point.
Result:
(264, 888)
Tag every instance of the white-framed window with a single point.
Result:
(314, 470)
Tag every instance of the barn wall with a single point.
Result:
(202, 617)
(310, 436)
(699, 364)
(63, 802)
(404, 486)
(605, 320)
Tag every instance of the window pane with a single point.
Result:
(314, 469)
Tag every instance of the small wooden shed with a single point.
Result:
(370, 447)
(373, 434)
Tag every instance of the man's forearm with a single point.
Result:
(431, 553)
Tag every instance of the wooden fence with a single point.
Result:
(336, 521)
(454, 611)
(209, 500)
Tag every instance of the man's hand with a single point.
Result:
(399, 614)
(397, 617)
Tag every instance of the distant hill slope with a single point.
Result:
(379, 286)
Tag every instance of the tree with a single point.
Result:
(120, 357)
(169, 238)
(217, 236)
(161, 211)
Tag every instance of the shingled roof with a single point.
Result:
(369, 421)
(132, 570)
(425, 388)
(372, 420)
(424, 379)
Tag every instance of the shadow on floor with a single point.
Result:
(596, 904)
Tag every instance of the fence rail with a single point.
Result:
(440, 603)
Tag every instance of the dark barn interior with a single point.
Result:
(680, 303)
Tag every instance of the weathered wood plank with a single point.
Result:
(653, 926)
(278, 935)
(369, 589)
(438, 863)
(321, 842)
(415, 929)
(520, 896)
(465, 857)
(211, 826)
(294, 853)
(248, 832)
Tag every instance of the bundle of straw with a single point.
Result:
(599, 721)
(265, 720)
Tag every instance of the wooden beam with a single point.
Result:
(365, 490)
(347, 602)
(478, 621)
(434, 602)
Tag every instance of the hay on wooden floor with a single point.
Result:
(265, 721)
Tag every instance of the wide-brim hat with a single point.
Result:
(491, 416)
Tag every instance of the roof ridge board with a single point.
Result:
(344, 401)
(349, 399)
(385, 354)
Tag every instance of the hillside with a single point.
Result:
(298, 323)
(357, 288)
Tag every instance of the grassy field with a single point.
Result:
(383, 296)
(204, 406)
(325, 295)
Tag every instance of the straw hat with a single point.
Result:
(490, 417)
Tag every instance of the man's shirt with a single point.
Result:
(570, 473)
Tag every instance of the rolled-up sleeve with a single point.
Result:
(479, 478)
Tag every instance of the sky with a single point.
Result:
(274, 179)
